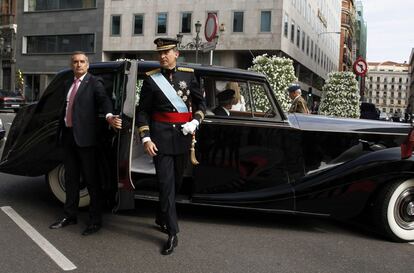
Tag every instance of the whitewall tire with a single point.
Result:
(56, 182)
(396, 211)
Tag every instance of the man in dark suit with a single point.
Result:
(225, 101)
(171, 106)
(84, 93)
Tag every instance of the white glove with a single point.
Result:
(190, 127)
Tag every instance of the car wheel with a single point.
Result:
(395, 211)
(56, 182)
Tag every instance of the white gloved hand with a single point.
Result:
(190, 127)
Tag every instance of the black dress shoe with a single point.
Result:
(63, 223)
(163, 227)
(91, 229)
(170, 244)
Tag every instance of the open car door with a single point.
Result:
(125, 138)
(32, 146)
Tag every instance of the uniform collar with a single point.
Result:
(168, 71)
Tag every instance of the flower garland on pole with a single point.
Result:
(280, 74)
(340, 96)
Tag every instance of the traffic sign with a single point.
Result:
(208, 46)
(360, 67)
(210, 27)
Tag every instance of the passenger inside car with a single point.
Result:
(239, 102)
(225, 102)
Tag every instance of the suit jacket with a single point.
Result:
(219, 111)
(299, 106)
(168, 136)
(90, 97)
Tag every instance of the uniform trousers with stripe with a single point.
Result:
(170, 170)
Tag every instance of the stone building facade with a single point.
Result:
(388, 87)
(110, 29)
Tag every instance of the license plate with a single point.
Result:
(15, 105)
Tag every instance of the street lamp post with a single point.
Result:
(197, 38)
(1, 61)
(196, 43)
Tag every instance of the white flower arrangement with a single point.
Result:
(340, 96)
(280, 74)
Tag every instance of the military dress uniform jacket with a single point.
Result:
(168, 136)
(299, 106)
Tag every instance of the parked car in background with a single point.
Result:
(257, 159)
(384, 117)
(2, 133)
(11, 100)
(369, 111)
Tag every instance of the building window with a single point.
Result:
(400, 80)
(138, 24)
(41, 5)
(311, 49)
(115, 25)
(307, 45)
(186, 22)
(292, 32)
(238, 21)
(162, 23)
(378, 79)
(298, 37)
(303, 40)
(265, 21)
(286, 25)
(59, 43)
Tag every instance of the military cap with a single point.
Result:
(226, 95)
(293, 88)
(165, 43)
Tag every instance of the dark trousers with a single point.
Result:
(170, 170)
(80, 161)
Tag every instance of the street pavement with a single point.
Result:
(211, 239)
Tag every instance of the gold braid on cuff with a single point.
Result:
(200, 113)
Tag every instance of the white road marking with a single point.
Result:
(44, 244)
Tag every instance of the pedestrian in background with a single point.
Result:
(298, 103)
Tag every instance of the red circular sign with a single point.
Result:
(210, 27)
(360, 67)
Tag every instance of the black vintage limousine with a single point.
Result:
(259, 158)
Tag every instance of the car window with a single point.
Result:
(262, 106)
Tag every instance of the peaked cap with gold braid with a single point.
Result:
(165, 43)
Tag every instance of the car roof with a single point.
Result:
(145, 66)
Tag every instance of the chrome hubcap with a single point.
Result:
(410, 209)
(404, 209)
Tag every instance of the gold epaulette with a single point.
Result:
(185, 69)
(151, 72)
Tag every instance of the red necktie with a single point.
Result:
(70, 103)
